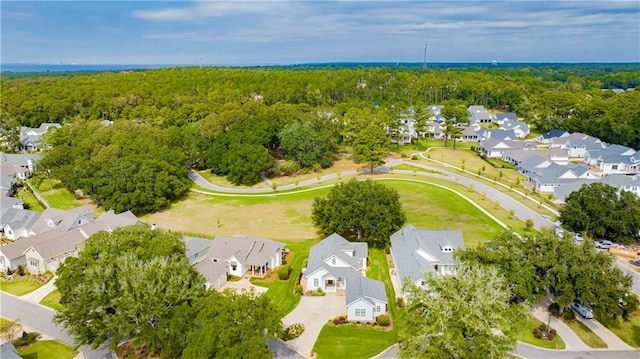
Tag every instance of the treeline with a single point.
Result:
(238, 121)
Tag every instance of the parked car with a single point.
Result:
(604, 244)
(583, 310)
(635, 262)
(578, 237)
(559, 232)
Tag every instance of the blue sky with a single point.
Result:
(289, 32)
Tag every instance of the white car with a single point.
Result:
(578, 237)
(583, 310)
(603, 244)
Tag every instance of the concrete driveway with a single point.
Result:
(243, 284)
(314, 312)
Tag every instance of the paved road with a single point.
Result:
(41, 319)
(532, 352)
(627, 268)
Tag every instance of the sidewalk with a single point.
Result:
(571, 339)
(36, 296)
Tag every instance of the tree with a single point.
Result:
(308, 145)
(455, 115)
(234, 325)
(132, 283)
(360, 209)
(601, 211)
(371, 145)
(466, 315)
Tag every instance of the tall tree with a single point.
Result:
(132, 283)
(466, 315)
(308, 145)
(601, 211)
(455, 115)
(359, 209)
(371, 145)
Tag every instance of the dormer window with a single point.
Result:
(447, 249)
(333, 261)
(50, 223)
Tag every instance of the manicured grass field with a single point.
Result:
(60, 198)
(352, 341)
(586, 335)
(52, 300)
(47, 349)
(30, 202)
(628, 331)
(287, 217)
(526, 335)
(20, 287)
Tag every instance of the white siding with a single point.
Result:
(356, 308)
(316, 278)
(239, 270)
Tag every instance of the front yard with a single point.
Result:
(628, 331)
(21, 285)
(43, 349)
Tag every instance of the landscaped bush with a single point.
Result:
(26, 339)
(542, 332)
(383, 320)
(317, 293)
(284, 272)
(400, 302)
(568, 314)
(20, 270)
(554, 309)
(341, 319)
(299, 289)
(293, 331)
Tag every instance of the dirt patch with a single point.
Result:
(128, 350)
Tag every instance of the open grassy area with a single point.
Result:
(24, 285)
(47, 349)
(628, 331)
(352, 341)
(287, 217)
(586, 335)
(52, 300)
(526, 335)
(29, 200)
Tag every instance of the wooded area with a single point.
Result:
(238, 121)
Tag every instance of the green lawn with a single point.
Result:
(60, 198)
(526, 335)
(30, 201)
(20, 287)
(47, 349)
(628, 331)
(352, 341)
(52, 300)
(282, 292)
(586, 335)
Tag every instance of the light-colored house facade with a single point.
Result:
(420, 252)
(246, 254)
(366, 299)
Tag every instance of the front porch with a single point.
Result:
(337, 286)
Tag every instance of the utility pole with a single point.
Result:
(424, 61)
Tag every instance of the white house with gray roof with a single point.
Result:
(479, 115)
(246, 254)
(545, 180)
(614, 159)
(336, 265)
(16, 223)
(419, 252)
(621, 182)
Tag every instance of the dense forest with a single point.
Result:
(237, 121)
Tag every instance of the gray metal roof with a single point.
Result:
(365, 288)
(338, 246)
(409, 242)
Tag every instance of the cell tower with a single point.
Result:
(424, 60)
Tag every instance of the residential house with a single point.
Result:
(614, 159)
(469, 134)
(30, 138)
(420, 252)
(546, 137)
(336, 265)
(496, 148)
(215, 272)
(577, 144)
(500, 118)
(545, 180)
(58, 236)
(533, 164)
(498, 134)
(434, 129)
(520, 128)
(333, 261)
(9, 351)
(11, 202)
(7, 185)
(517, 156)
(246, 254)
(23, 163)
(621, 182)
(197, 248)
(16, 223)
(366, 299)
(435, 113)
(479, 115)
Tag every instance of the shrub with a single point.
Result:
(554, 309)
(339, 320)
(20, 270)
(26, 339)
(299, 289)
(293, 331)
(400, 302)
(414, 158)
(387, 249)
(383, 320)
(568, 315)
(284, 272)
(317, 293)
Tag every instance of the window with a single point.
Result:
(333, 261)
(33, 262)
(234, 266)
(361, 312)
(315, 282)
(378, 308)
(50, 223)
